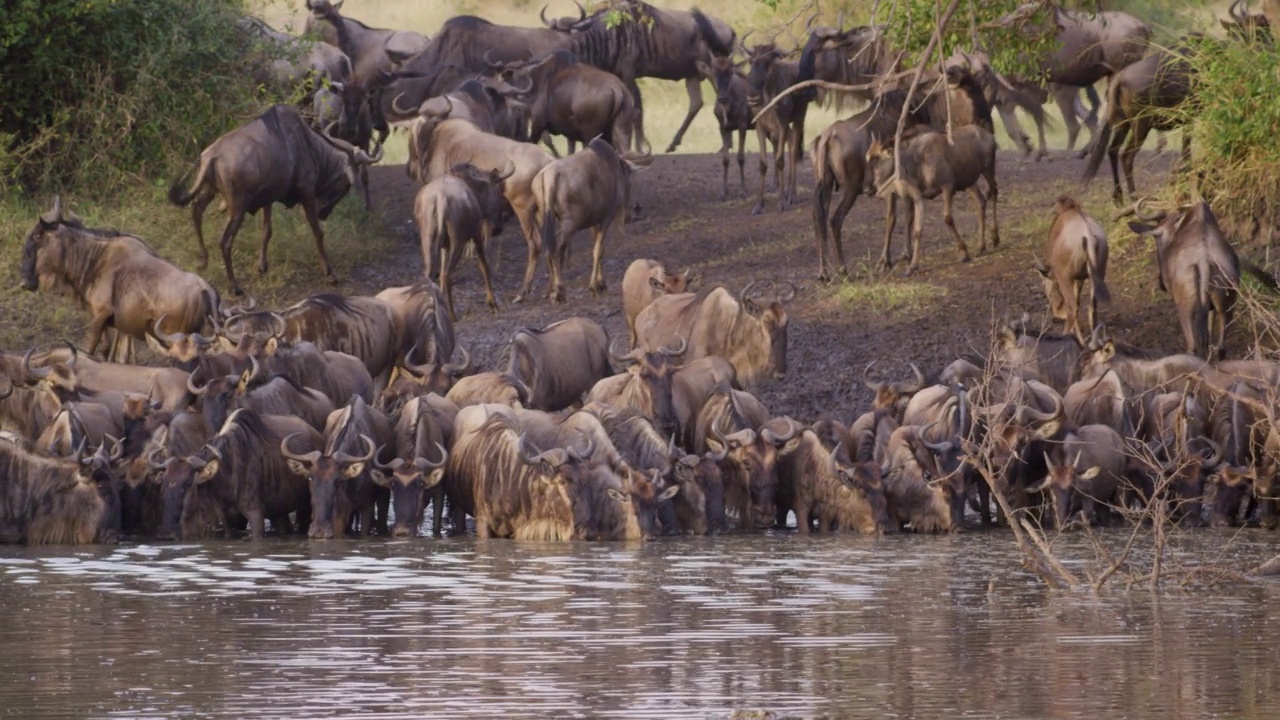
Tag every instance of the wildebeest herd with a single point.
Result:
(340, 413)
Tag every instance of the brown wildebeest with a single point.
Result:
(124, 284)
(560, 362)
(497, 388)
(1245, 26)
(768, 77)
(410, 381)
(590, 189)
(731, 424)
(645, 386)
(1076, 251)
(933, 166)
(370, 49)
(644, 281)
(274, 158)
(465, 206)
(814, 485)
(733, 113)
(751, 334)
(1085, 473)
(267, 394)
(420, 310)
(50, 501)
(692, 385)
(920, 493)
(80, 423)
(340, 473)
(70, 372)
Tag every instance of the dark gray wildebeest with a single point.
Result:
(1089, 47)
(363, 327)
(572, 99)
(1199, 268)
(1085, 474)
(465, 206)
(644, 281)
(124, 284)
(933, 166)
(484, 102)
(645, 386)
(731, 424)
(751, 333)
(420, 311)
(590, 189)
(370, 49)
(404, 91)
(340, 473)
(443, 142)
(424, 430)
(733, 113)
(560, 362)
(691, 385)
(240, 472)
(769, 76)
(274, 158)
(1140, 98)
(857, 56)
(345, 111)
(919, 491)
(277, 395)
(298, 60)
(51, 501)
(1076, 252)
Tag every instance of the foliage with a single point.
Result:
(97, 91)
(1014, 50)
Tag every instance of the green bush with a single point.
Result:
(97, 93)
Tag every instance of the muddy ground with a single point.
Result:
(946, 309)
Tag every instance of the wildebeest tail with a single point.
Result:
(182, 197)
(1103, 139)
(823, 184)
(713, 40)
(1097, 269)
(544, 194)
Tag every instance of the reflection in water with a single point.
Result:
(837, 627)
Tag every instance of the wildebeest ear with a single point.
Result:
(669, 493)
(299, 468)
(208, 471)
(353, 470)
(1141, 228)
(378, 477)
(1107, 351)
(1091, 473)
(271, 346)
(618, 495)
(433, 478)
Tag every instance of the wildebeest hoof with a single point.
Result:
(995, 241)
(757, 210)
(823, 277)
(671, 148)
(518, 299)
(965, 258)
(237, 291)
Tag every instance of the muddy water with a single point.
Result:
(829, 627)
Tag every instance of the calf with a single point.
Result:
(768, 77)
(1077, 251)
(644, 281)
(590, 189)
(464, 206)
(734, 113)
(933, 166)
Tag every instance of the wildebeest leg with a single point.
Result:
(93, 338)
(556, 260)
(948, 199)
(1127, 156)
(364, 185)
(742, 160)
(198, 206)
(1066, 97)
(1072, 300)
(313, 219)
(802, 518)
(726, 144)
(1222, 315)
(266, 237)
(450, 254)
(848, 196)
(366, 518)
(693, 86)
(640, 138)
(822, 190)
(917, 230)
(546, 140)
(527, 215)
(437, 513)
(982, 218)
(797, 152)
(764, 170)
(890, 220)
(1009, 115)
(597, 285)
(1184, 161)
(779, 163)
(257, 523)
(489, 298)
(993, 196)
(228, 235)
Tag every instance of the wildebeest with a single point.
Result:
(1076, 251)
(498, 388)
(339, 474)
(644, 281)
(54, 501)
(1140, 98)
(1089, 470)
(920, 492)
(420, 311)
(443, 142)
(731, 424)
(768, 77)
(691, 385)
(78, 423)
(298, 59)
(363, 327)
(1245, 26)
(644, 386)
(650, 453)
(560, 362)
(345, 111)
(750, 333)
(72, 372)
(422, 433)
(933, 166)
(240, 470)
(572, 99)
(733, 113)
(370, 49)
(1199, 268)
(267, 394)
(464, 206)
(124, 284)
(276, 157)
(840, 497)
(590, 189)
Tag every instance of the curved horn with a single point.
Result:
(831, 460)
(742, 296)
(166, 339)
(153, 464)
(676, 352)
(633, 356)
(117, 448)
(793, 429)
(938, 447)
(419, 370)
(582, 12)
(905, 387)
(1037, 416)
(346, 459)
(507, 171)
(584, 455)
(41, 373)
(424, 464)
(808, 25)
(75, 356)
(523, 448)
(1214, 459)
(718, 456)
(490, 62)
(193, 389)
(1242, 15)
(395, 105)
(308, 458)
(790, 294)
(453, 370)
(543, 16)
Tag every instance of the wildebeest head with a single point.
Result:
(699, 477)
(653, 370)
(1229, 487)
(721, 72)
(891, 394)
(58, 378)
(1245, 26)
(773, 319)
(1186, 472)
(762, 58)
(565, 475)
(864, 479)
(646, 493)
(489, 188)
(87, 504)
(415, 380)
(44, 254)
(1063, 482)
(178, 478)
(224, 393)
(325, 473)
(409, 483)
(333, 186)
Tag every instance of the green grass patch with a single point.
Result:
(887, 296)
